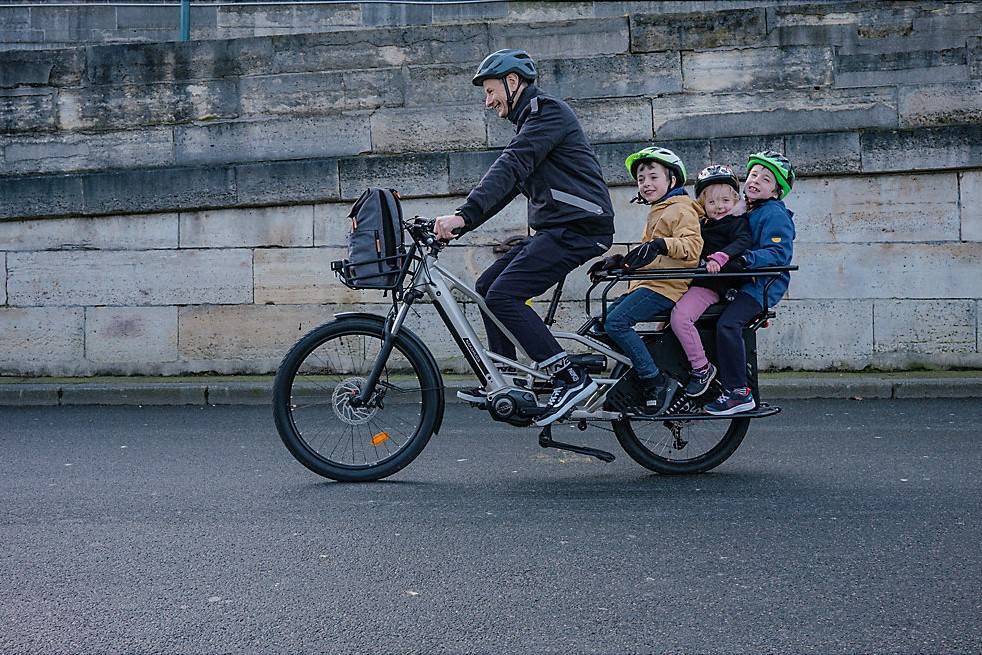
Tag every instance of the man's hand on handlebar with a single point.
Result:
(447, 227)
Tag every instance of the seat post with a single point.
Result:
(554, 303)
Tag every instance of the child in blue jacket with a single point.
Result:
(770, 177)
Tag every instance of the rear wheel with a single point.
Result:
(327, 430)
(681, 447)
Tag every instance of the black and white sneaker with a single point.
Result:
(699, 381)
(475, 395)
(572, 387)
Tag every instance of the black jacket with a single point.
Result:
(731, 235)
(549, 161)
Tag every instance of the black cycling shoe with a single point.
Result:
(657, 394)
(699, 382)
(572, 387)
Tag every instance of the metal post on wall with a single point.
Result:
(185, 20)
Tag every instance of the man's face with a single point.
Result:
(494, 95)
(761, 184)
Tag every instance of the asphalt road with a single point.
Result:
(838, 526)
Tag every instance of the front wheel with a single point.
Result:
(680, 447)
(343, 440)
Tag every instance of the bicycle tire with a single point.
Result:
(288, 391)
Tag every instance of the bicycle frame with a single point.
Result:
(430, 279)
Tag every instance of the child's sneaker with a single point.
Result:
(657, 396)
(733, 401)
(699, 381)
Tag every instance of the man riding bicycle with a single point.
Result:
(551, 162)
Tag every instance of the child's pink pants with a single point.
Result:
(687, 311)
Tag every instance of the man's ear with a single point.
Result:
(513, 81)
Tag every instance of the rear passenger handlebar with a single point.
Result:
(683, 274)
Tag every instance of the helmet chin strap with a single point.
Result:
(509, 96)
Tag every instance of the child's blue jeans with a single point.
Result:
(639, 306)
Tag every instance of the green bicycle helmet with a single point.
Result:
(778, 164)
(500, 63)
(663, 156)
(716, 174)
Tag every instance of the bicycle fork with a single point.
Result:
(390, 332)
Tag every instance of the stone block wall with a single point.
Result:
(171, 208)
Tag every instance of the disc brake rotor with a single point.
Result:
(341, 399)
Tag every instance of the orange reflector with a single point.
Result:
(380, 438)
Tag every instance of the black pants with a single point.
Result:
(730, 350)
(526, 271)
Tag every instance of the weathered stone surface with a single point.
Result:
(309, 18)
(131, 335)
(244, 228)
(41, 340)
(612, 76)
(880, 69)
(142, 232)
(446, 128)
(41, 68)
(970, 189)
(772, 112)
(396, 14)
(455, 13)
(61, 152)
(563, 39)
(771, 68)
(612, 156)
(883, 208)
(734, 151)
(364, 49)
(696, 31)
(40, 196)
(611, 121)
(500, 131)
(442, 84)
(467, 168)
(974, 56)
(529, 12)
(121, 107)
(154, 277)
(824, 154)
(282, 182)
(817, 335)
(26, 110)
(3, 267)
(300, 94)
(332, 224)
(69, 24)
(295, 138)
(931, 148)
(148, 18)
(297, 276)
(941, 104)
(253, 338)
(885, 270)
(136, 63)
(411, 175)
(158, 190)
(924, 326)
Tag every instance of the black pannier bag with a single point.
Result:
(376, 250)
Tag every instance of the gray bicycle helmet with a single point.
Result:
(500, 63)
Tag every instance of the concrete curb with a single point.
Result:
(232, 391)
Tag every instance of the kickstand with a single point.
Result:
(545, 440)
